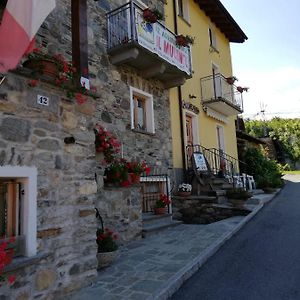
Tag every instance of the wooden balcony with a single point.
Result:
(150, 48)
(219, 95)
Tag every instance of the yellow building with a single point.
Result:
(204, 109)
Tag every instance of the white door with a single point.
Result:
(216, 81)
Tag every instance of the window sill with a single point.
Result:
(213, 49)
(27, 73)
(142, 132)
(22, 262)
(185, 20)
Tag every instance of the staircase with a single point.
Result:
(155, 223)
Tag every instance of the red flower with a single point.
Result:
(80, 98)
(33, 82)
(125, 183)
(11, 279)
(115, 236)
(147, 170)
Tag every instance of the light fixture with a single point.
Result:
(192, 96)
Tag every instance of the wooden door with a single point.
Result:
(189, 130)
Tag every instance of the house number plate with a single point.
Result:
(43, 100)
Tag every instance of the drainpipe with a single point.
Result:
(179, 92)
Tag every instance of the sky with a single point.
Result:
(269, 61)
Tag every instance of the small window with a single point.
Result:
(141, 111)
(183, 9)
(11, 212)
(212, 39)
(18, 191)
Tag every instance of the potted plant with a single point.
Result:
(107, 247)
(116, 174)
(230, 80)
(135, 169)
(58, 70)
(238, 196)
(184, 40)
(152, 15)
(242, 89)
(161, 204)
(106, 143)
(184, 189)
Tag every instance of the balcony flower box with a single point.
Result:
(152, 16)
(184, 41)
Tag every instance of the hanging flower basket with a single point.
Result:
(231, 80)
(45, 66)
(184, 41)
(152, 16)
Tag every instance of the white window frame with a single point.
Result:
(222, 145)
(185, 10)
(27, 176)
(212, 39)
(150, 126)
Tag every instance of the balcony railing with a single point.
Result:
(151, 48)
(221, 96)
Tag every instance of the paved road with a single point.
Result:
(262, 262)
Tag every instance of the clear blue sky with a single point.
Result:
(269, 61)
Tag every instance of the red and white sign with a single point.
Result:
(161, 41)
(21, 21)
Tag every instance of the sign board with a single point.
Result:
(43, 100)
(200, 161)
(158, 39)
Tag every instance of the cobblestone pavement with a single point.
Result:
(149, 265)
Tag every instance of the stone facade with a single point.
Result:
(70, 179)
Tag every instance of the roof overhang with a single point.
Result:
(219, 15)
(244, 136)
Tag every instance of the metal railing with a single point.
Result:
(219, 162)
(122, 25)
(216, 87)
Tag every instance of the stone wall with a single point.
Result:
(121, 211)
(34, 135)
(191, 210)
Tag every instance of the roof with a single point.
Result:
(219, 15)
(245, 136)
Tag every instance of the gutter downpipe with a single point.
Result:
(179, 92)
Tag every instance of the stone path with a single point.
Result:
(147, 266)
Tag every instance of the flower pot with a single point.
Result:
(230, 80)
(160, 210)
(184, 194)
(105, 259)
(42, 66)
(149, 16)
(134, 178)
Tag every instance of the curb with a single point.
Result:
(176, 281)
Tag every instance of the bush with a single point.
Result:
(266, 172)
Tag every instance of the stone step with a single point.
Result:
(150, 219)
(219, 181)
(200, 198)
(154, 229)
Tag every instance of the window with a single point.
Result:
(183, 9)
(18, 207)
(142, 118)
(212, 39)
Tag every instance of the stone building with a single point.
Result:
(48, 167)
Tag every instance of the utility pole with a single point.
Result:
(79, 38)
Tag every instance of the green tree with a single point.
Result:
(286, 131)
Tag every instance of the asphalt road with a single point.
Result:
(261, 262)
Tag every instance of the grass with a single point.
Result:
(291, 172)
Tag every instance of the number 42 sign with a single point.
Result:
(43, 100)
